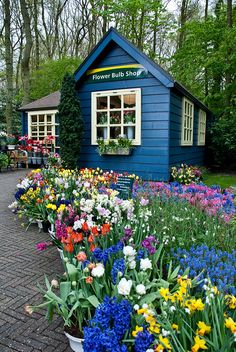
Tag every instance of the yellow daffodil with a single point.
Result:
(230, 324)
(203, 328)
(164, 344)
(165, 293)
(137, 330)
(175, 327)
(200, 344)
(51, 206)
(231, 301)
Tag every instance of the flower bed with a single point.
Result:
(123, 287)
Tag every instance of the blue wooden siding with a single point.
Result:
(24, 120)
(194, 154)
(151, 159)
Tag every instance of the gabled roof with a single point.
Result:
(114, 36)
(156, 70)
(50, 101)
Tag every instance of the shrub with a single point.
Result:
(186, 174)
(71, 123)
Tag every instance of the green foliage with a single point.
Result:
(206, 65)
(223, 136)
(179, 224)
(3, 160)
(48, 78)
(71, 123)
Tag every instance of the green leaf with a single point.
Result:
(72, 271)
(93, 300)
(174, 274)
(65, 288)
(149, 298)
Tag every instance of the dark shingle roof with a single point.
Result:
(48, 102)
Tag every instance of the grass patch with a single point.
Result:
(223, 180)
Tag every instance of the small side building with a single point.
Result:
(123, 92)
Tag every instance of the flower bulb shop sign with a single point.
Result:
(116, 73)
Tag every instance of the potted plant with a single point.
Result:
(11, 141)
(129, 117)
(73, 299)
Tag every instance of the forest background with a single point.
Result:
(195, 40)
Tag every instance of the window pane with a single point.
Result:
(49, 128)
(115, 102)
(102, 118)
(129, 116)
(34, 128)
(102, 132)
(115, 132)
(129, 132)
(41, 128)
(49, 118)
(41, 118)
(115, 117)
(129, 101)
(34, 119)
(101, 103)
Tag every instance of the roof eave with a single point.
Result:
(189, 95)
(22, 109)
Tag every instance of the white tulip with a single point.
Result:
(145, 264)
(98, 271)
(129, 251)
(124, 287)
(140, 289)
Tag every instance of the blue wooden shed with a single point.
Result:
(124, 93)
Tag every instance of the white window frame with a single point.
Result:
(109, 93)
(53, 123)
(201, 127)
(187, 122)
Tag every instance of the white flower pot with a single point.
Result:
(61, 255)
(11, 146)
(130, 132)
(104, 132)
(76, 344)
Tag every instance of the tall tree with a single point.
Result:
(25, 63)
(9, 67)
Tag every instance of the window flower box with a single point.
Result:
(120, 151)
(121, 146)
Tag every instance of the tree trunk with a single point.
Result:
(36, 34)
(9, 67)
(183, 17)
(25, 63)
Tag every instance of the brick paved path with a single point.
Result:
(21, 267)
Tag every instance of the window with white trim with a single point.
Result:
(116, 113)
(41, 125)
(201, 127)
(187, 122)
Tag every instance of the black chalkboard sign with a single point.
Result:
(124, 186)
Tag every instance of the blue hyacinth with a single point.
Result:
(219, 266)
(108, 327)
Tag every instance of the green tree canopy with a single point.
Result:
(48, 78)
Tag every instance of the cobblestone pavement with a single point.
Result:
(21, 267)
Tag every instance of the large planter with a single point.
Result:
(76, 344)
